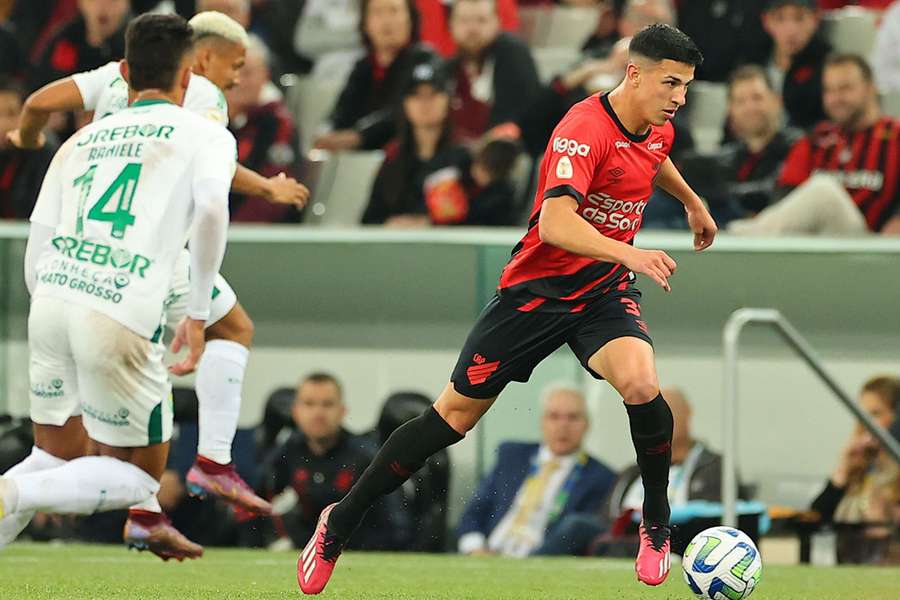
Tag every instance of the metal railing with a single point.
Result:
(730, 338)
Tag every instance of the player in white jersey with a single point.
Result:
(220, 48)
(118, 202)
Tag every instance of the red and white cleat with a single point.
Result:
(654, 558)
(317, 561)
(209, 477)
(153, 531)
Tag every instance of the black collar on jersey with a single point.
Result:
(604, 100)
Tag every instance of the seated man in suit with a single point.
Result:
(536, 490)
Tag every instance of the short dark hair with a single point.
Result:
(660, 42)
(9, 85)
(323, 377)
(498, 158)
(747, 73)
(848, 58)
(154, 48)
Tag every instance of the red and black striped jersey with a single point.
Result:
(866, 162)
(592, 157)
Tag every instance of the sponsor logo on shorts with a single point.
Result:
(481, 370)
(117, 419)
(570, 147)
(53, 390)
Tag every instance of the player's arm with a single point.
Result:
(560, 225)
(58, 96)
(699, 219)
(45, 217)
(279, 189)
(892, 227)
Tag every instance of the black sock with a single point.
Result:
(651, 432)
(404, 453)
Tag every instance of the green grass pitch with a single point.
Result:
(75, 572)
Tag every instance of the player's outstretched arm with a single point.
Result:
(699, 219)
(57, 96)
(279, 189)
(559, 225)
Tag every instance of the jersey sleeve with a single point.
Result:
(205, 99)
(217, 160)
(798, 165)
(92, 83)
(572, 157)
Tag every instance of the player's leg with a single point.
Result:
(218, 383)
(612, 342)
(504, 345)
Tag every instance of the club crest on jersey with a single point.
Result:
(564, 168)
(570, 147)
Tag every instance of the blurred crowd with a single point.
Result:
(548, 496)
(455, 101)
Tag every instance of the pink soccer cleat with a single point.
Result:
(653, 559)
(209, 477)
(317, 561)
(145, 530)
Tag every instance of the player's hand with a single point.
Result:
(655, 264)
(192, 333)
(703, 226)
(287, 190)
(343, 139)
(25, 143)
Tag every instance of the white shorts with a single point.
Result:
(82, 359)
(223, 297)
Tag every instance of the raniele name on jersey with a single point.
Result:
(609, 171)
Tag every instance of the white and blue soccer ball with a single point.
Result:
(722, 563)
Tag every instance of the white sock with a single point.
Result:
(151, 504)
(38, 460)
(84, 486)
(220, 376)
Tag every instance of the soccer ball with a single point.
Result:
(722, 563)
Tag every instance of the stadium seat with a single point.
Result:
(551, 62)
(707, 107)
(343, 188)
(890, 103)
(310, 100)
(851, 29)
(557, 27)
(336, 65)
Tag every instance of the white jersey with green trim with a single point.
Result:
(104, 91)
(120, 196)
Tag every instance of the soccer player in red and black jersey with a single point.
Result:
(570, 281)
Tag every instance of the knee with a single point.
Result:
(639, 388)
(462, 420)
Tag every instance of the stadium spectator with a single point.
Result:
(326, 26)
(364, 115)
(726, 31)
(536, 493)
(239, 10)
(21, 171)
(320, 462)
(862, 496)
(494, 74)
(842, 178)
(266, 134)
(885, 58)
(435, 22)
(11, 59)
(740, 180)
(95, 37)
(426, 178)
(793, 57)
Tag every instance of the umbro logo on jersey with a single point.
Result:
(616, 172)
(482, 369)
(621, 144)
(570, 147)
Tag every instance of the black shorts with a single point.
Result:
(506, 344)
